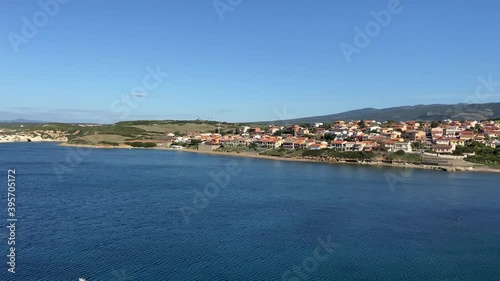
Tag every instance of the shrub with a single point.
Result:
(80, 142)
(399, 153)
(109, 143)
(141, 144)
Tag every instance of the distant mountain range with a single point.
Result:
(22, 121)
(430, 112)
(482, 111)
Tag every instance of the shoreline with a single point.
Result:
(472, 168)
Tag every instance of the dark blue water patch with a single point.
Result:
(116, 216)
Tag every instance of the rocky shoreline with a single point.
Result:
(311, 159)
(30, 138)
(323, 159)
(18, 139)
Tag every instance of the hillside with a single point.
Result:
(120, 132)
(404, 113)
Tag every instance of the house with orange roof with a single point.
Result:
(354, 146)
(369, 145)
(301, 144)
(414, 135)
(437, 133)
(318, 146)
(401, 127)
(394, 146)
(289, 144)
(442, 148)
(456, 142)
(491, 131)
(451, 131)
(467, 135)
(268, 142)
(338, 145)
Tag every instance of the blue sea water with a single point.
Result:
(116, 215)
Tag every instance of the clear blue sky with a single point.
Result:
(267, 59)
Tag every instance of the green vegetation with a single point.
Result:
(236, 149)
(482, 154)
(435, 124)
(329, 137)
(195, 142)
(280, 152)
(399, 153)
(357, 155)
(141, 144)
(109, 143)
(80, 142)
(399, 156)
(418, 145)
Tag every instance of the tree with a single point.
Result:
(400, 152)
(141, 144)
(477, 128)
(434, 124)
(329, 137)
(417, 145)
(278, 133)
(362, 124)
(195, 142)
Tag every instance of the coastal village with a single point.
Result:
(441, 137)
(363, 135)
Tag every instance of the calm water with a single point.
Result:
(116, 216)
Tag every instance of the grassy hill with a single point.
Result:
(122, 132)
